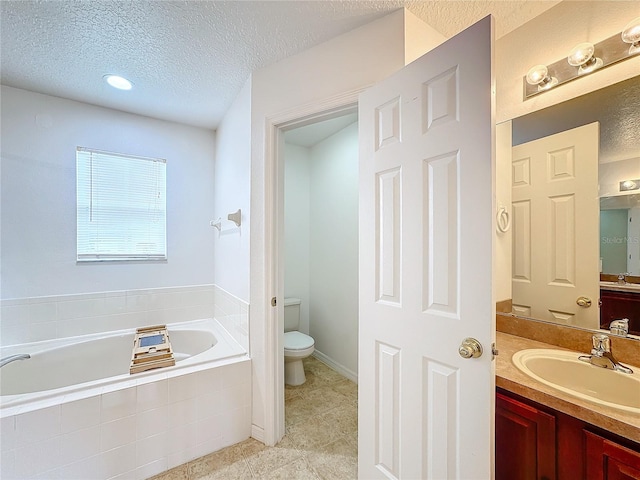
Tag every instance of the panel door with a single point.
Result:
(556, 227)
(426, 239)
(607, 460)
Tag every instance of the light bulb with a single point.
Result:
(539, 75)
(627, 185)
(582, 56)
(631, 34)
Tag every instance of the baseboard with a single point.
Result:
(341, 369)
(257, 433)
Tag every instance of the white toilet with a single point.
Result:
(297, 345)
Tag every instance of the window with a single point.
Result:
(121, 207)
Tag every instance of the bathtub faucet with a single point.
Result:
(13, 358)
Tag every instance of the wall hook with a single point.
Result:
(217, 223)
(236, 217)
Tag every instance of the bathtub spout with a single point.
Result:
(13, 358)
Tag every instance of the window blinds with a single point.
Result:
(121, 207)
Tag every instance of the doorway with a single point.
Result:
(323, 114)
(320, 269)
(321, 236)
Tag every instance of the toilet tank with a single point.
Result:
(291, 314)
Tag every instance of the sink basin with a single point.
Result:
(563, 371)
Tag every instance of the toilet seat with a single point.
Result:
(297, 341)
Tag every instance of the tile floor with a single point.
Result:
(321, 440)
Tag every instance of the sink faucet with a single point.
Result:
(622, 278)
(13, 358)
(601, 355)
(619, 327)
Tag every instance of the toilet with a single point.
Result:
(297, 345)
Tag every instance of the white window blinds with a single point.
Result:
(121, 206)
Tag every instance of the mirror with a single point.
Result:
(615, 237)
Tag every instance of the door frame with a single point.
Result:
(275, 126)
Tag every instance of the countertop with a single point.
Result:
(508, 377)
(620, 287)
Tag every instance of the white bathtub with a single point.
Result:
(61, 402)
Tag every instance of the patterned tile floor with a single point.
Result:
(321, 440)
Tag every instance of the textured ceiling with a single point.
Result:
(189, 59)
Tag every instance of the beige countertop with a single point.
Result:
(620, 287)
(508, 377)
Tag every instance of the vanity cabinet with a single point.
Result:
(536, 442)
(525, 441)
(617, 305)
(607, 460)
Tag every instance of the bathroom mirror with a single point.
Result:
(616, 109)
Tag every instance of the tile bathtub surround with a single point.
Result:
(626, 350)
(320, 442)
(233, 315)
(33, 319)
(136, 432)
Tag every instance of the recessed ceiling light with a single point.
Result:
(118, 82)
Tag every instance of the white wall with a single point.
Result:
(549, 38)
(231, 191)
(348, 62)
(40, 134)
(333, 316)
(296, 228)
(502, 263)
(611, 174)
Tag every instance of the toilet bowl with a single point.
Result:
(297, 345)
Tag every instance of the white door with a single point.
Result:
(556, 227)
(426, 236)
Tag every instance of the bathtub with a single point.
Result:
(75, 403)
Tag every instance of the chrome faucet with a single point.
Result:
(619, 327)
(601, 355)
(13, 358)
(622, 278)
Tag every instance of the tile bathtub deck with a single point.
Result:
(321, 441)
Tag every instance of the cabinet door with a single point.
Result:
(607, 460)
(525, 441)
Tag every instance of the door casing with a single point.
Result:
(274, 246)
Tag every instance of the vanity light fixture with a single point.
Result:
(587, 57)
(631, 34)
(582, 56)
(629, 185)
(539, 75)
(116, 81)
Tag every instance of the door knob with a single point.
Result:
(583, 302)
(470, 348)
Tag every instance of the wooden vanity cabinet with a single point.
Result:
(607, 460)
(536, 442)
(525, 441)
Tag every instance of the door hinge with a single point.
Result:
(273, 301)
(494, 351)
